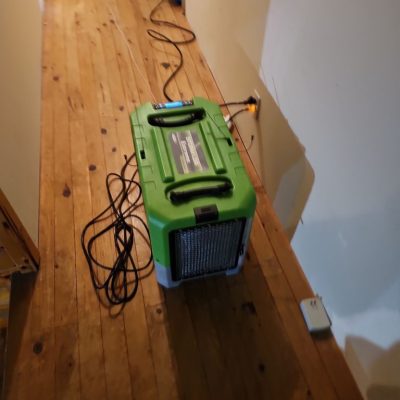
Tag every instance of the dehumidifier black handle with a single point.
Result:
(162, 122)
(184, 195)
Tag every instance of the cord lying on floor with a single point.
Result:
(121, 279)
(163, 38)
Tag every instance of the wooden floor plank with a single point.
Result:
(67, 362)
(191, 375)
(214, 363)
(248, 329)
(113, 329)
(88, 23)
(92, 369)
(65, 276)
(233, 352)
(137, 34)
(241, 337)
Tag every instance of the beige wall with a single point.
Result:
(231, 35)
(20, 75)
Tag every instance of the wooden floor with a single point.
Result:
(236, 338)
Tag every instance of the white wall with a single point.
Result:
(334, 70)
(20, 77)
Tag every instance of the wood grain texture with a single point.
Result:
(241, 337)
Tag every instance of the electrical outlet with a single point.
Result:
(258, 98)
(315, 315)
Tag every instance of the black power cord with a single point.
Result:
(248, 101)
(121, 279)
(237, 113)
(163, 38)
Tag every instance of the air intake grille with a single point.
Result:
(205, 249)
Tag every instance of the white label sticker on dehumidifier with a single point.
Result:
(188, 153)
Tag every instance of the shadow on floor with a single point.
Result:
(229, 341)
(21, 294)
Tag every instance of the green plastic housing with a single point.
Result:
(160, 171)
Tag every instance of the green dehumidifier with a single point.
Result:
(198, 198)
